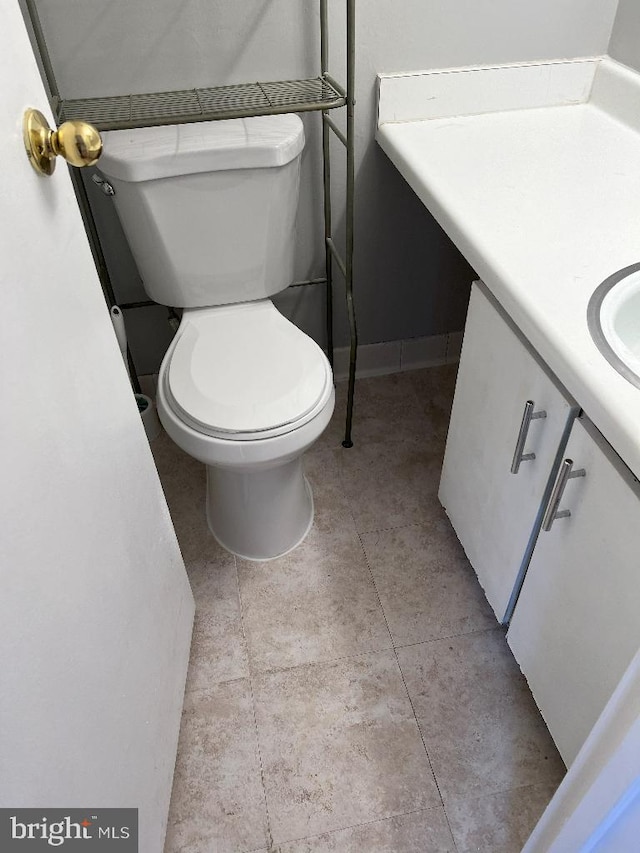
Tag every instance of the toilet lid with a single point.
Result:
(238, 370)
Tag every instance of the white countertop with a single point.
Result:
(544, 203)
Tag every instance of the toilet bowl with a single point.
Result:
(209, 211)
(249, 420)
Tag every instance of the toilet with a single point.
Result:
(209, 211)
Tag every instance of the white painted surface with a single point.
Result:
(443, 93)
(544, 204)
(575, 628)
(625, 37)
(492, 510)
(95, 609)
(596, 807)
(223, 44)
(616, 92)
(162, 45)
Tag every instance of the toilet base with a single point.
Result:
(259, 514)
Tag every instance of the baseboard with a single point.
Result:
(398, 356)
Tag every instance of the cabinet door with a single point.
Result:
(493, 511)
(576, 626)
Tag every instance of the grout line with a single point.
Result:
(192, 691)
(329, 662)
(429, 522)
(415, 716)
(422, 524)
(373, 581)
(496, 794)
(253, 708)
(496, 627)
(192, 664)
(435, 778)
(357, 825)
(502, 791)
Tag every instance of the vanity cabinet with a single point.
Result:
(576, 625)
(496, 513)
(549, 517)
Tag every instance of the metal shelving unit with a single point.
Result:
(322, 93)
(219, 102)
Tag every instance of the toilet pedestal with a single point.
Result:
(261, 514)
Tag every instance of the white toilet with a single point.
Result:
(209, 211)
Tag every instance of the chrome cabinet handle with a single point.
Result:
(519, 455)
(566, 473)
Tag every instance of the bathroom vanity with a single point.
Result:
(534, 172)
(568, 585)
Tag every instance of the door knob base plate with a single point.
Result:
(37, 142)
(77, 141)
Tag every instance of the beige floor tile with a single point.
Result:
(218, 801)
(434, 389)
(391, 484)
(341, 749)
(386, 408)
(315, 604)
(500, 823)
(339, 746)
(218, 651)
(425, 831)
(332, 513)
(426, 586)
(481, 727)
(409, 406)
(319, 602)
(391, 474)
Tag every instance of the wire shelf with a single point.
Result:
(220, 102)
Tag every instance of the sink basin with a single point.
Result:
(614, 321)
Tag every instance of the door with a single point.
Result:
(494, 511)
(596, 809)
(95, 606)
(575, 628)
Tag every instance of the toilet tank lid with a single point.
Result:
(148, 153)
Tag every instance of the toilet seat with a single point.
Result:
(244, 372)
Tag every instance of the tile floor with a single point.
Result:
(357, 694)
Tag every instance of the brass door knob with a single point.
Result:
(77, 141)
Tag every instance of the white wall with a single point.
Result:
(625, 39)
(409, 279)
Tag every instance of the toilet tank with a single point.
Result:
(209, 208)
